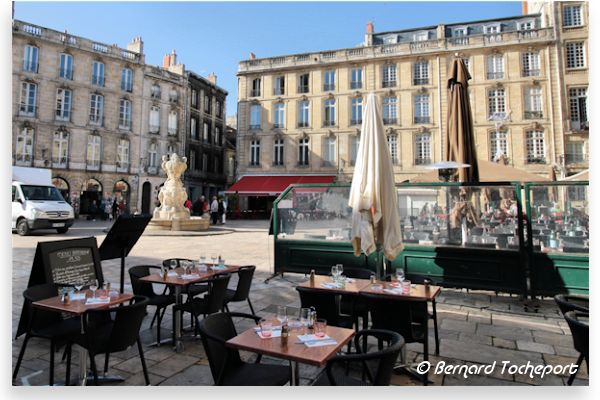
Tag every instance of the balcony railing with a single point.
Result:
(422, 161)
(255, 126)
(98, 80)
(420, 81)
(387, 84)
(356, 121)
(328, 87)
(62, 115)
(26, 110)
(531, 72)
(278, 125)
(390, 121)
(278, 91)
(535, 160)
(303, 89)
(303, 124)
(495, 75)
(125, 124)
(422, 120)
(356, 85)
(578, 126)
(328, 123)
(59, 162)
(66, 73)
(533, 115)
(92, 165)
(254, 93)
(154, 129)
(172, 131)
(31, 67)
(577, 158)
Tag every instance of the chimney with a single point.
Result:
(524, 8)
(173, 57)
(212, 78)
(136, 45)
(252, 56)
(370, 27)
(166, 61)
(369, 34)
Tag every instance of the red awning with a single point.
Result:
(273, 185)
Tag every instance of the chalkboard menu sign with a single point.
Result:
(68, 266)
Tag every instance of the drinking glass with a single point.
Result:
(405, 287)
(214, 260)
(304, 315)
(106, 289)
(265, 328)
(94, 287)
(78, 286)
(281, 314)
(173, 264)
(334, 272)
(320, 328)
(400, 275)
(340, 270)
(202, 260)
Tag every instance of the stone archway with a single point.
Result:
(63, 187)
(91, 194)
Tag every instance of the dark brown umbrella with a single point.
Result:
(553, 190)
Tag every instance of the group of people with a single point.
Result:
(108, 209)
(217, 208)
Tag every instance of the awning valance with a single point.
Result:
(273, 185)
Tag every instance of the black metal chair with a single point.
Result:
(407, 317)
(572, 302)
(121, 332)
(351, 304)
(326, 304)
(226, 366)
(46, 324)
(140, 288)
(242, 291)
(580, 330)
(383, 359)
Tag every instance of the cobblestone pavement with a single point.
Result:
(475, 327)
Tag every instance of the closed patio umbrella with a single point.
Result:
(373, 195)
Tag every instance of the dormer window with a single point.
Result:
(390, 39)
(420, 36)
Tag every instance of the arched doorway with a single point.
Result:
(146, 193)
(63, 187)
(121, 194)
(91, 195)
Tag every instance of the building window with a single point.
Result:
(357, 109)
(303, 114)
(65, 70)
(96, 109)
(278, 152)
(30, 59)
(578, 108)
(152, 156)
(491, 29)
(329, 151)
(172, 123)
(572, 15)
(24, 150)
(123, 154)
(498, 145)
(329, 113)
(303, 83)
(354, 142)
(194, 98)
(303, 151)
(495, 66)
(255, 92)
(255, 116)
(60, 149)
(389, 75)
(218, 136)
(459, 36)
(93, 151)
(530, 62)
(194, 128)
(155, 91)
(125, 114)
(421, 73)
(231, 167)
(193, 160)
(575, 153)
(536, 147)
(533, 103)
(279, 88)
(127, 79)
(422, 149)
(526, 25)
(205, 162)
(420, 36)
(218, 165)
(255, 153)
(356, 78)
(219, 109)
(422, 109)
(392, 141)
(279, 116)
(329, 80)
(28, 99)
(154, 123)
(97, 73)
(575, 55)
(63, 104)
(206, 132)
(390, 110)
(496, 104)
(207, 104)
(171, 149)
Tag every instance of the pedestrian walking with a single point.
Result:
(214, 210)
(115, 208)
(221, 210)
(108, 204)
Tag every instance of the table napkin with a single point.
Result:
(274, 334)
(319, 343)
(312, 338)
(190, 276)
(393, 291)
(218, 267)
(77, 296)
(97, 300)
(171, 273)
(331, 285)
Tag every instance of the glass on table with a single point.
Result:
(282, 314)
(214, 260)
(94, 287)
(105, 290)
(399, 274)
(334, 272)
(406, 287)
(79, 285)
(173, 264)
(304, 315)
(265, 328)
(340, 268)
(320, 328)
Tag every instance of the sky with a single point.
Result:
(216, 36)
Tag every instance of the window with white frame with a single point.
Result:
(578, 108)
(354, 142)
(279, 115)
(356, 78)
(496, 104)
(30, 58)
(390, 39)
(533, 103)
(530, 63)
(420, 36)
(526, 25)
(278, 152)
(390, 110)
(422, 148)
(255, 91)
(574, 153)
(495, 66)
(536, 147)
(575, 55)
(205, 132)
(96, 109)
(63, 104)
(572, 15)
(255, 116)
(92, 157)
(125, 114)
(329, 80)
(329, 112)
(491, 29)
(60, 149)
(154, 123)
(194, 128)
(329, 150)
(303, 114)
(421, 73)
(498, 145)
(279, 85)
(303, 151)
(127, 79)
(98, 73)
(172, 123)
(459, 36)
(24, 147)
(389, 75)
(255, 153)
(357, 110)
(422, 109)
(123, 154)
(392, 141)
(153, 155)
(28, 99)
(231, 166)
(65, 69)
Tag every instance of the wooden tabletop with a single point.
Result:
(351, 287)
(417, 291)
(294, 351)
(78, 307)
(178, 281)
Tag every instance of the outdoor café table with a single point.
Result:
(176, 280)
(295, 351)
(323, 282)
(78, 308)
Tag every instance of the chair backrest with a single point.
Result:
(217, 289)
(580, 330)
(39, 318)
(216, 329)
(167, 263)
(125, 329)
(325, 303)
(245, 275)
(398, 315)
(141, 288)
(572, 302)
(358, 273)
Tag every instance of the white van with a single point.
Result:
(37, 204)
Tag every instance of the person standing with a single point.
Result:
(108, 208)
(221, 210)
(197, 207)
(224, 215)
(115, 208)
(188, 205)
(214, 210)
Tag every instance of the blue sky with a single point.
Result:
(215, 36)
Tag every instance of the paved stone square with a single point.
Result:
(476, 327)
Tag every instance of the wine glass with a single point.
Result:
(400, 275)
(94, 287)
(106, 288)
(173, 264)
(79, 285)
(214, 260)
(340, 270)
(334, 272)
(281, 314)
(202, 260)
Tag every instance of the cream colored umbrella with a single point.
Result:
(373, 195)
